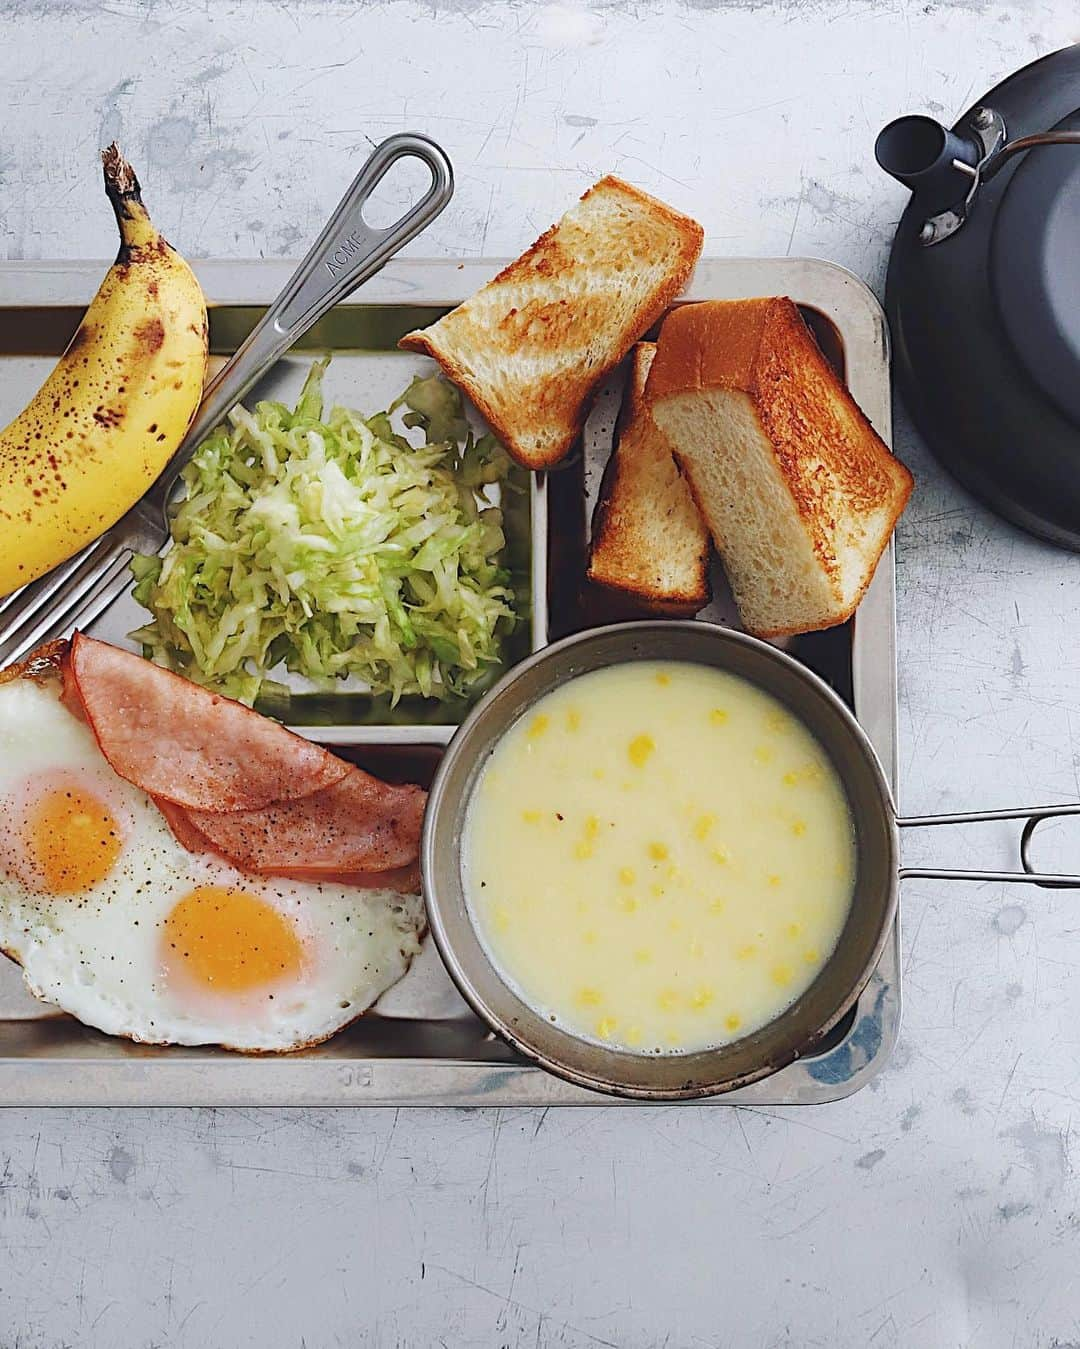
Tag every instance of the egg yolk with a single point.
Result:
(71, 840)
(230, 941)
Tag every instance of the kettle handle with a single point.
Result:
(1022, 143)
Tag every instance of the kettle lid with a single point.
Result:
(1035, 269)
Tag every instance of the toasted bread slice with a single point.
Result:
(799, 492)
(648, 538)
(531, 346)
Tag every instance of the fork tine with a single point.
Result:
(32, 621)
(30, 596)
(93, 603)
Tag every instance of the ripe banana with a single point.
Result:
(109, 417)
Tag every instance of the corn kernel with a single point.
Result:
(780, 975)
(538, 725)
(605, 1027)
(811, 956)
(501, 918)
(701, 999)
(798, 828)
(657, 890)
(573, 720)
(582, 850)
(732, 1021)
(628, 904)
(773, 880)
(790, 779)
(703, 827)
(748, 952)
(592, 826)
(640, 748)
(633, 1035)
(531, 816)
(642, 956)
(793, 930)
(589, 937)
(627, 876)
(718, 716)
(777, 721)
(717, 906)
(599, 774)
(658, 852)
(674, 925)
(667, 1000)
(764, 754)
(696, 949)
(719, 856)
(663, 679)
(588, 997)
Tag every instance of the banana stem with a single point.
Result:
(122, 189)
(120, 177)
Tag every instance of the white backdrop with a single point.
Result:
(939, 1207)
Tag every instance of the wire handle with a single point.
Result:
(347, 253)
(1033, 817)
(1023, 143)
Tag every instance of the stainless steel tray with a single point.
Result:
(421, 1045)
(367, 372)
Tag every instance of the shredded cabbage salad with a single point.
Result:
(336, 546)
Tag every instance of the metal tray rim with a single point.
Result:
(330, 1079)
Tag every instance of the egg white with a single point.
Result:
(99, 954)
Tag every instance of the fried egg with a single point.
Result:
(115, 922)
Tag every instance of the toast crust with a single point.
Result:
(534, 318)
(618, 560)
(835, 620)
(825, 447)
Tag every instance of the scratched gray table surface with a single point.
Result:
(940, 1206)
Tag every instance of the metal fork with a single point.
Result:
(347, 253)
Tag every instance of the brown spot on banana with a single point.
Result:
(150, 335)
(84, 335)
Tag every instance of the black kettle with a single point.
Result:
(983, 292)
